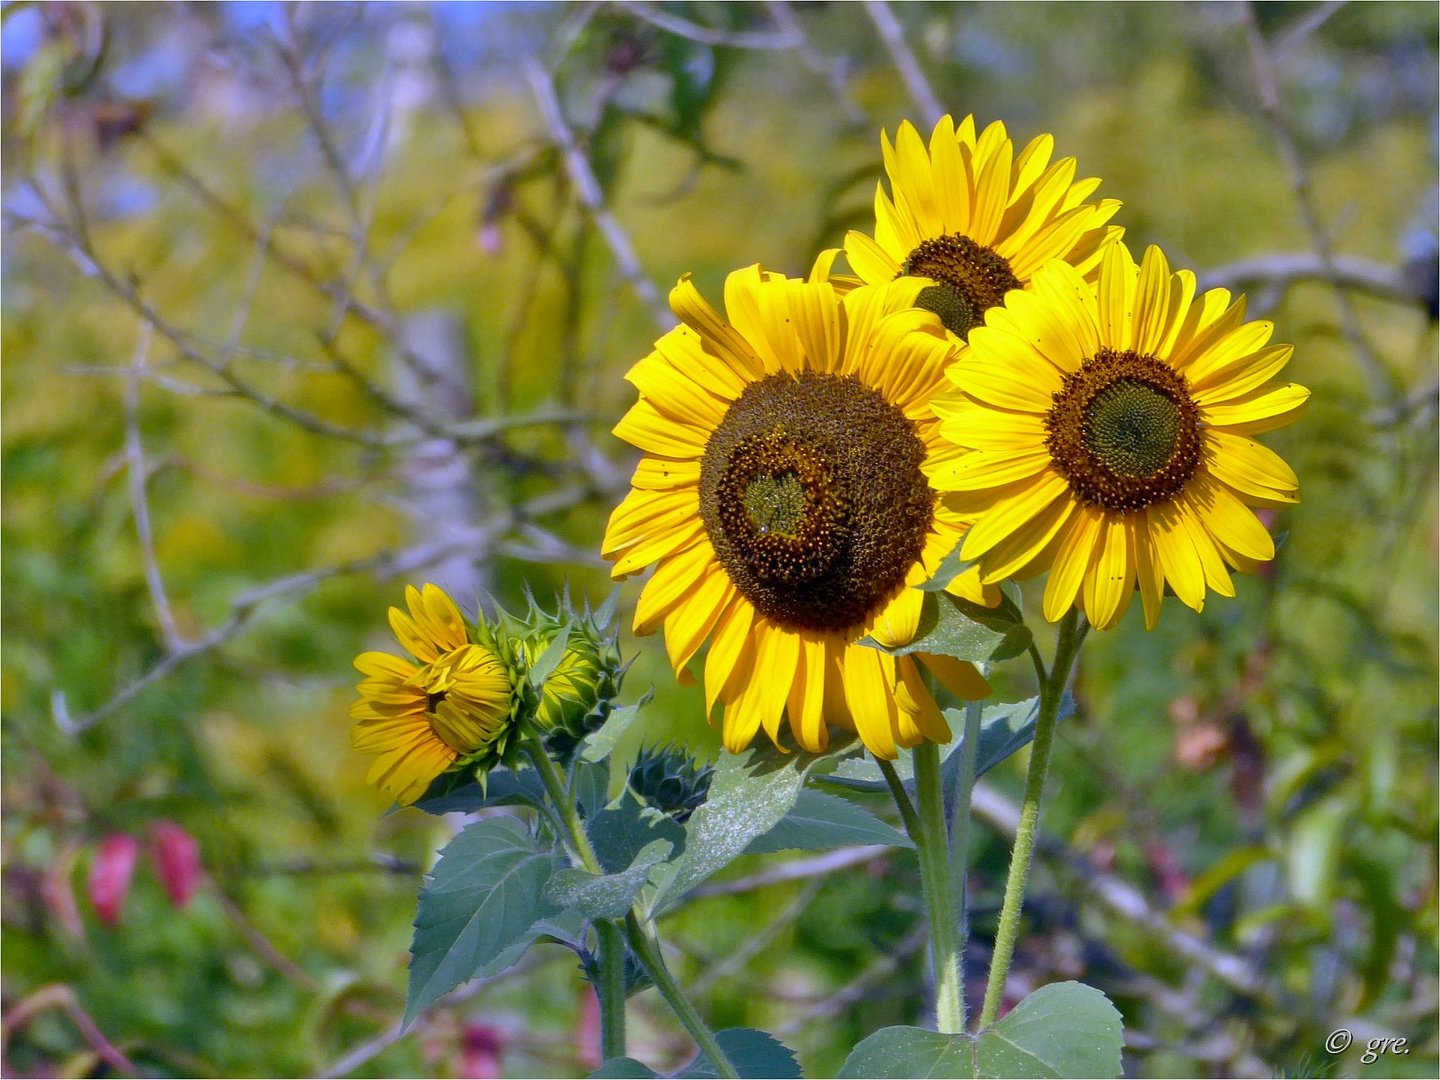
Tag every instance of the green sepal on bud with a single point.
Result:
(668, 780)
(574, 670)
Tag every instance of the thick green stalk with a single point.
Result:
(611, 987)
(612, 956)
(960, 836)
(932, 842)
(647, 949)
(1052, 689)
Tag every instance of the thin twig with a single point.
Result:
(1382, 384)
(587, 187)
(1282, 271)
(795, 870)
(62, 996)
(1121, 897)
(707, 35)
(832, 71)
(860, 987)
(139, 498)
(904, 60)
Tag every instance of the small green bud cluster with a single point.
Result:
(575, 671)
(669, 780)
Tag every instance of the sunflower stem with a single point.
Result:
(611, 986)
(960, 837)
(642, 943)
(647, 950)
(933, 843)
(1052, 690)
(902, 801)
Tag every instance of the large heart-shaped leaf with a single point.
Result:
(483, 895)
(1062, 1030)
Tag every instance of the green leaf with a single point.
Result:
(623, 1068)
(589, 782)
(950, 626)
(1064, 1029)
(1004, 729)
(550, 659)
(1061, 1030)
(1211, 881)
(820, 822)
(910, 1052)
(749, 794)
(567, 929)
(460, 792)
(620, 834)
(599, 745)
(483, 895)
(606, 896)
(951, 567)
(753, 1053)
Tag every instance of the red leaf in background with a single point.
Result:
(110, 874)
(176, 855)
(480, 1048)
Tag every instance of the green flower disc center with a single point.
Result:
(1132, 428)
(969, 278)
(813, 499)
(776, 503)
(1124, 431)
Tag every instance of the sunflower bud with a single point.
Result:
(668, 780)
(575, 672)
(454, 707)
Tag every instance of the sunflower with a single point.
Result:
(784, 500)
(1103, 433)
(977, 221)
(422, 719)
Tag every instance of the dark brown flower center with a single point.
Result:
(434, 698)
(970, 279)
(1124, 431)
(813, 498)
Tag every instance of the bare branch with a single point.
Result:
(794, 870)
(1282, 271)
(1122, 898)
(904, 60)
(707, 35)
(139, 499)
(1382, 383)
(832, 71)
(587, 186)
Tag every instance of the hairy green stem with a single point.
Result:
(610, 988)
(1052, 690)
(612, 954)
(647, 949)
(933, 843)
(960, 836)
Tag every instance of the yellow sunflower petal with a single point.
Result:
(677, 576)
(1110, 577)
(958, 676)
(915, 699)
(648, 428)
(898, 622)
(870, 695)
(1258, 411)
(732, 633)
(868, 259)
(1012, 513)
(1077, 543)
(691, 307)
(1177, 556)
(689, 624)
(1254, 470)
(805, 704)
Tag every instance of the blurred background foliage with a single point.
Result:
(302, 303)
